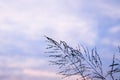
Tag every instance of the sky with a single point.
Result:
(23, 24)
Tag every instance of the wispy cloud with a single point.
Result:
(23, 24)
(113, 38)
(115, 29)
(108, 8)
(47, 19)
(111, 42)
(39, 73)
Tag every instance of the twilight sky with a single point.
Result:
(23, 24)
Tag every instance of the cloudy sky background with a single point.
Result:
(23, 24)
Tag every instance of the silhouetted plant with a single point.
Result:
(80, 61)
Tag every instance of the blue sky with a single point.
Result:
(23, 23)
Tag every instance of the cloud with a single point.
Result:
(23, 24)
(47, 74)
(112, 38)
(13, 67)
(111, 42)
(37, 73)
(52, 20)
(115, 29)
(22, 62)
(108, 8)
